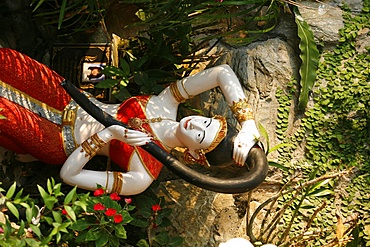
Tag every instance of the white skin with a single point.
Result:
(194, 132)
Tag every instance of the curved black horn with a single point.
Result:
(256, 159)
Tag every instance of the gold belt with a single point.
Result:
(68, 123)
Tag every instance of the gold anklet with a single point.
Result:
(117, 182)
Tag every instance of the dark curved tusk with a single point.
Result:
(249, 180)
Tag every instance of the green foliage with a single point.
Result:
(334, 133)
(78, 219)
(177, 30)
(69, 16)
(236, 22)
(309, 56)
(297, 214)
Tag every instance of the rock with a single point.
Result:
(363, 41)
(325, 21)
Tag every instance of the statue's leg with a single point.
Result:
(24, 131)
(33, 78)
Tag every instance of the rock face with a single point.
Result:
(204, 218)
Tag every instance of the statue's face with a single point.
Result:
(197, 132)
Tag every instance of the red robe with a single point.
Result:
(120, 152)
(33, 101)
(25, 130)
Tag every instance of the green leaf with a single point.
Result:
(36, 230)
(102, 240)
(70, 212)
(309, 56)
(38, 5)
(80, 225)
(12, 209)
(21, 229)
(277, 165)
(42, 192)
(321, 192)
(93, 234)
(126, 217)
(125, 67)
(19, 195)
(176, 241)
(122, 94)
(49, 186)
(142, 243)
(11, 190)
(113, 71)
(50, 201)
(139, 223)
(120, 232)
(320, 184)
(107, 83)
(71, 196)
(265, 135)
(57, 216)
(280, 146)
(81, 204)
(162, 238)
(61, 13)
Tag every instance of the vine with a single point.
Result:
(333, 134)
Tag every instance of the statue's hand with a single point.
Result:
(244, 141)
(129, 136)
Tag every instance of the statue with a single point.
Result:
(44, 121)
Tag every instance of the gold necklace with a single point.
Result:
(137, 123)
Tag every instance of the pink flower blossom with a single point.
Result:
(118, 218)
(115, 197)
(128, 200)
(99, 192)
(110, 212)
(156, 207)
(99, 207)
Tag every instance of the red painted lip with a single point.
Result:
(186, 123)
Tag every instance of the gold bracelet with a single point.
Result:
(242, 110)
(183, 86)
(92, 145)
(176, 93)
(117, 182)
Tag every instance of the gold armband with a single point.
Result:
(117, 182)
(176, 93)
(241, 110)
(92, 145)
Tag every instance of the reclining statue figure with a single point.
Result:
(42, 120)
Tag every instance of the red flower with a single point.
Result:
(99, 192)
(115, 197)
(99, 207)
(110, 212)
(64, 212)
(156, 207)
(128, 200)
(118, 218)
